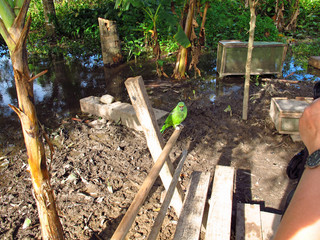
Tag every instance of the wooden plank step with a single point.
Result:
(220, 210)
(269, 223)
(189, 223)
(248, 222)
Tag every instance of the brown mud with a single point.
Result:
(98, 165)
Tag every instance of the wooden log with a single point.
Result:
(279, 80)
(143, 192)
(219, 217)
(142, 106)
(189, 223)
(248, 223)
(164, 207)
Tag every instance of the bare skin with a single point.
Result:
(302, 218)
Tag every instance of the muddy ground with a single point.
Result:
(98, 165)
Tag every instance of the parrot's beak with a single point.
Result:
(181, 108)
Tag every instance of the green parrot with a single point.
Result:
(177, 115)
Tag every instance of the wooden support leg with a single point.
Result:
(142, 106)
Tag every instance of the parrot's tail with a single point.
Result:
(163, 128)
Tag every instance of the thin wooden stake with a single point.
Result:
(137, 202)
(249, 57)
(38, 75)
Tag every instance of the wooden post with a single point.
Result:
(142, 106)
(139, 199)
(249, 57)
(110, 43)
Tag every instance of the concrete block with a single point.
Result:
(125, 113)
(116, 111)
(90, 105)
(314, 61)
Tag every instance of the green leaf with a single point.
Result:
(18, 3)
(228, 109)
(26, 223)
(160, 62)
(6, 13)
(182, 38)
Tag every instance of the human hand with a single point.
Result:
(309, 126)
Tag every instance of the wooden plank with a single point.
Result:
(189, 223)
(143, 192)
(164, 207)
(248, 223)
(220, 210)
(142, 106)
(269, 223)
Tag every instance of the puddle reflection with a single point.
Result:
(58, 92)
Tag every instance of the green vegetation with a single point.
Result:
(308, 20)
(230, 20)
(305, 49)
(78, 31)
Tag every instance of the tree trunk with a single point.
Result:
(291, 26)
(252, 4)
(196, 45)
(15, 34)
(202, 34)
(278, 17)
(50, 17)
(182, 57)
(288, 22)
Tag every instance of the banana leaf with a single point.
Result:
(182, 38)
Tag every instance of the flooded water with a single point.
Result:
(58, 92)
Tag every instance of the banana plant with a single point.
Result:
(185, 35)
(179, 71)
(154, 37)
(14, 28)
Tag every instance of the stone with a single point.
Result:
(107, 99)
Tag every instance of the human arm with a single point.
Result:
(302, 218)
